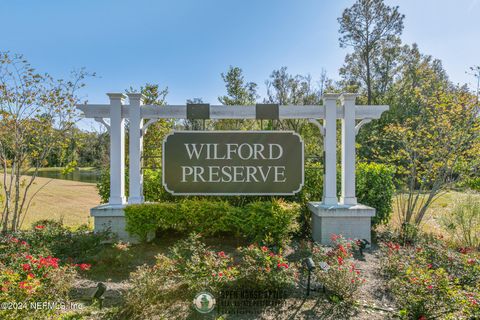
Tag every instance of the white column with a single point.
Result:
(135, 149)
(117, 150)
(330, 149)
(348, 149)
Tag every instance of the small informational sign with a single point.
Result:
(233, 163)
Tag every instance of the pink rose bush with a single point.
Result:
(428, 279)
(340, 276)
(26, 275)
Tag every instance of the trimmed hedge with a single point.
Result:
(375, 188)
(271, 222)
(252, 217)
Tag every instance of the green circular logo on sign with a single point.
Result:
(204, 302)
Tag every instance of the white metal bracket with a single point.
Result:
(146, 125)
(318, 124)
(102, 121)
(361, 124)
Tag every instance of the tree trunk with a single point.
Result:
(369, 80)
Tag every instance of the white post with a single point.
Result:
(117, 150)
(348, 149)
(135, 149)
(330, 149)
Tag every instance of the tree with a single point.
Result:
(369, 26)
(194, 124)
(475, 72)
(284, 89)
(153, 139)
(417, 76)
(431, 146)
(239, 93)
(37, 113)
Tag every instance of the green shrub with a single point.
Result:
(200, 268)
(262, 269)
(272, 221)
(375, 188)
(269, 222)
(154, 291)
(311, 191)
(422, 292)
(206, 217)
(63, 242)
(432, 281)
(145, 219)
(473, 184)
(153, 189)
(103, 186)
(27, 277)
(165, 290)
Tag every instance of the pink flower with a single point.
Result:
(282, 265)
(84, 266)
(221, 254)
(471, 261)
(220, 274)
(342, 249)
(430, 287)
(264, 249)
(39, 227)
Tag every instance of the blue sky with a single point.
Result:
(186, 44)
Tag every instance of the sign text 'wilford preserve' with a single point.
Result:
(233, 163)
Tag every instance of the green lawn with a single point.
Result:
(65, 200)
(442, 205)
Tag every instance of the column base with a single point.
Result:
(350, 221)
(136, 200)
(350, 201)
(111, 217)
(117, 202)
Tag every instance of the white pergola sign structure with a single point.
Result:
(331, 215)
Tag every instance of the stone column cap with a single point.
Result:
(348, 96)
(116, 95)
(330, 96)
(340, 210)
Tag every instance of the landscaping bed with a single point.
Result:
(158, 280)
